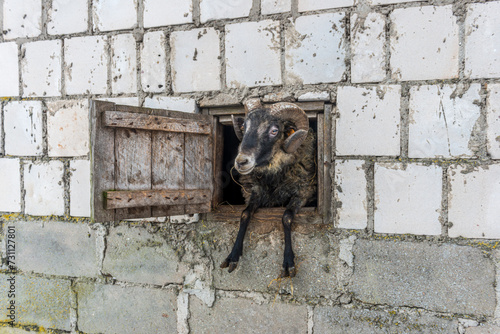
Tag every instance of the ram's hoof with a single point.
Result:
(288, 272)
(231, 265)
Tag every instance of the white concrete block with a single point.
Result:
(314, 96)
(9, 69)
(493, 120)
(253, 54)
(473, 208)
(195, 60)
(442, 122)
(368, 48)
(79, 200)
(482, 40)
(368, 122)
(153, 62)
(22, 18)
(68, 128)
(424, 43)
(10, 183)
(408, 200)
(223, 9)
(44, 186)
(128, 101)
(67, 17)
(85, 65)
(41, 68)
(307, 5)
(387, 2)
(23, 128)
(350, 194)
(114, 14)
(159, 13)
(315, 49)
(171, 103)
(275, 6)
(123, 64)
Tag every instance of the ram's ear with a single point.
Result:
(238, 126)
(294, 140)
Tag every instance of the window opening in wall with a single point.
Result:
(231, 201)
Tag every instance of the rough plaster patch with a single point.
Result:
(345, 253)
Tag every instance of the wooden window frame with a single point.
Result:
(130, 143)
(321, 112)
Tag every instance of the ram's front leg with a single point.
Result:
(232, 260)
(293, 208)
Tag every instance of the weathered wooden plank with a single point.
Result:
(226, 119)
(146, 198)
(218, 156)
(168, 167)
(133, 167)
(151, 122)
(233, 213)
(313, 106)
(327, 165)
(198, 167)
(320, 159)
(102, 161)
(163, 112)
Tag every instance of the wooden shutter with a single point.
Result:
(150, 162)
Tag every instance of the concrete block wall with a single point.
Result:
(413, 244)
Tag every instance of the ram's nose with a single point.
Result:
(243, 163)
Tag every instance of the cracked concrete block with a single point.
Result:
(336, 319)
(424, 43)
(443, 120)
(473, 208)
(195, 60)
(44, 187)
(79, 186)
(315, 257)
(68, 128)
(22, 18)
(41, 301)
(153, 62)
(222, 9)
(369, 121)
(482, 37)
(493, 120)
(441, 278)
(67, 17)
(256, 59)
(117, 309)
(127, 249)
(408, 198)
(85, 65)
(9, 67)
(123, 64)
(350, 194)
(56, 248)
(368, 48)
(275, 6)
(23, 128)
(41, 68)
(307, 5)
(114, 15)
(171, 103)
(246, 316)
(315, 49)
(10, 183)
(159, 13)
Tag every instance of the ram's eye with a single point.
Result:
(273, 132)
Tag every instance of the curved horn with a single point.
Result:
(252, 104)
(295, 114)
